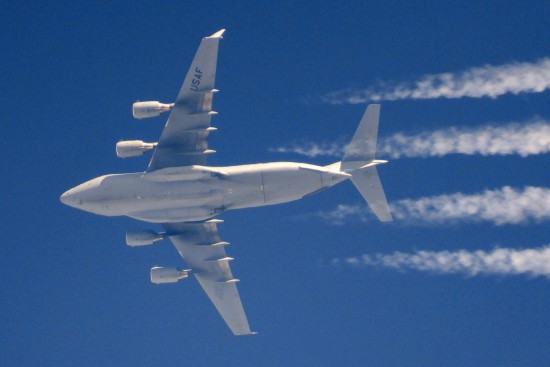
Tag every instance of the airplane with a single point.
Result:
(180, 192)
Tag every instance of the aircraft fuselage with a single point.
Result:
(197, 193)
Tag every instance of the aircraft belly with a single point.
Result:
(243, 189)
(152, 199)
(269, 183)
(287, 185)
(175, 201)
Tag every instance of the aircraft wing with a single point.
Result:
(183, 141)
(200, 245)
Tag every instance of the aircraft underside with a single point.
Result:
(179, 191)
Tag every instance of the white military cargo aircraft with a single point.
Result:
(179, 191)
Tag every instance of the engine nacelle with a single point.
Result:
(132, 148)
(142, 238)
(160, 275)
(143, 110)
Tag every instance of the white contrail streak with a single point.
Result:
(501, 206)
(500, 261)
(526, 138)
(310, 149)
(485, 81)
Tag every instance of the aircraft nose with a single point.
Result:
(64, 198)
(69, 198)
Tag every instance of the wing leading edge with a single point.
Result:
(201, 247)
(183, 141)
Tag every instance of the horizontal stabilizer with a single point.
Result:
(368, 183)
(362, 148)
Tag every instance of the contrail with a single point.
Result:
(500, 261)
(485, 81)
(502, 206)
(524, 139)
(520, 138)
(310, 149)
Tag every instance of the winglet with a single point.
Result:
(218, 34)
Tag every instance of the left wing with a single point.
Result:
(200, 245)
(183, 140)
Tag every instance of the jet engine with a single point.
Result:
(160, 275)
(132, 148)
(142, 238)
(143, 110)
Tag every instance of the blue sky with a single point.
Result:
(460, 278)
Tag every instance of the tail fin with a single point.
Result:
(368, 183)
(359, 161)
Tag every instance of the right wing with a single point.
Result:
(200, 245)
(183, 140)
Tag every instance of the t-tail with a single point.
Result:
(359, 161)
